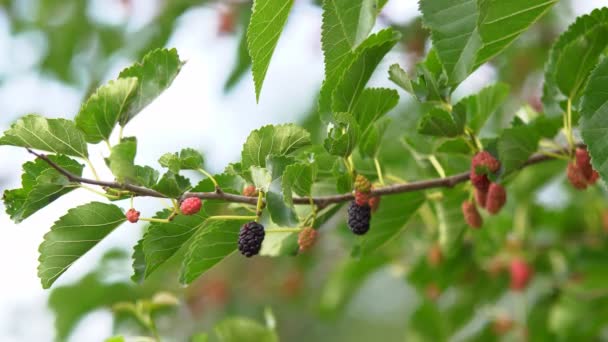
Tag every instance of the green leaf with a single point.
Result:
(211, 244)
(276, 201)
(187, 159)
(453, 25)
(479, 107)
(73, 235)
(342, 136)
(501, 22)
(146, 176)
(99, 115)
(455, 146)
(172, 185)
(261, 178)
(237, 329)
(298, 178)
(400, 78)
(280, 140)
(373, 104)
(155, 73)
(41, 184)
(370, 143)
(390, 220)
(354, 78)
(121, 160)
(572, 58)
(440, 123)
(268, 18)
(163, 240)
(515, 146)
(594, 121)
(59, 136)
(139, 262)
(346, 24)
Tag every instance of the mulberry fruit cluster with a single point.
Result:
(363, 196)
(250, 191)
(489, 195)
(359, 217)
(251, 237)
(580, 172)
(132, 215)
(307, 238)
(191, 206)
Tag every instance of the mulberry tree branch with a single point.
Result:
(321, 201)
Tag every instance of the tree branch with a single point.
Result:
(321, 201)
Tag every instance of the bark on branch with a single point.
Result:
(321, 201)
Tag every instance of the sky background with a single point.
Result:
(193, 112)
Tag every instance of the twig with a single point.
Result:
(321, 201)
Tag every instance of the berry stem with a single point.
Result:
(156, 220)
(283, 230)
(210, 176)
(88, 161)
(260, 205)
(435, 162)
(379, 171)
(474, 142)
(232, 217)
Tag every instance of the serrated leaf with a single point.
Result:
(280, 212)
(298, 178)
(154, 73)
(455, 40)
(370, 143)
(594, 120)
(565, 77)
(163, 240)
(280, 140)
(73, 235)
(172, 185)
(455, 146)
(515, 146)
(121, 160)
(261, 178)
(346, 23)
(59, 136)
(187, 159)
(440, 123)
(390, 220)
(99, 115)
(400, 78)
(211, 244)
(354, 78)
(228, 182)
(372, 105)
(139, 262)
(501, 22)
(479, 107)
(268, 18)
(343, 135)
(41, 184)
(146, 176)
